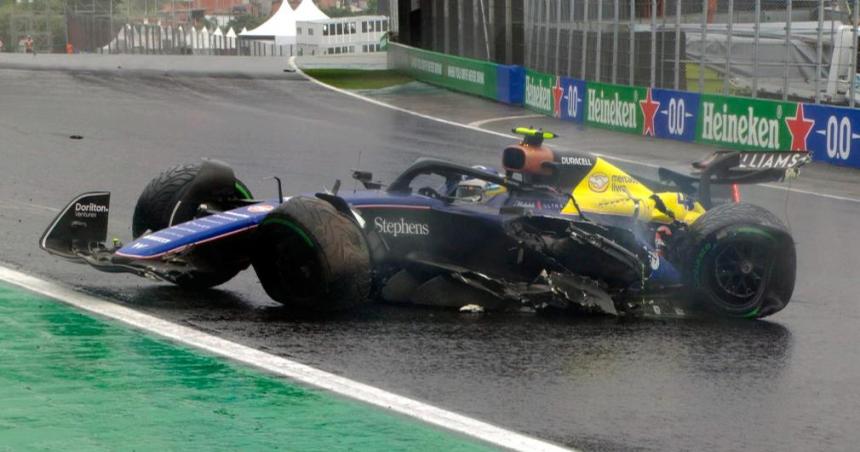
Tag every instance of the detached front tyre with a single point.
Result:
(312, 258)
(176, 196)
(740, 261)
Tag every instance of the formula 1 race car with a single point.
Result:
(553, 231)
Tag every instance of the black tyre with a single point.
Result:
(740, 261)
(174, 197)
(312, 258)
(165, 200)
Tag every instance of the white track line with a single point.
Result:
(474, 126)
(392, 107)
(503, 118)
(282, 366)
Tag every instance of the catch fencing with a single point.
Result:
(778, 49)
(829, 133)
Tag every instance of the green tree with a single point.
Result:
(245, 21)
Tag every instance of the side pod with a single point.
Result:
(81, 224)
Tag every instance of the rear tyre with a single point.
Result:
(174, 197)
(740, 261)
(312, 258)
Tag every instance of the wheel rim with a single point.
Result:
(297, 265)
(740, 268)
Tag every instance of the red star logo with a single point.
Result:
(799, 127)
(557, 94)
(649, 108)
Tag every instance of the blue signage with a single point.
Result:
(573, 103)
(830, 133)
(674, 114)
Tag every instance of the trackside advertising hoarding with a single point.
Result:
(746, 124)
(455, 73)
(830, 133)
(615, 107)
(559, 97)
(674, 113)
(539, 92)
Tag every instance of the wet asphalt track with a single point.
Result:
(790, 383)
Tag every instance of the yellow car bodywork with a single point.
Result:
(608, 190)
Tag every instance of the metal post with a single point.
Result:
(527, 32)
(484, 20)
(755, 47)
(730, 29)
(851, 81)
(615, 20)
(434, 18)
(557, 34)
(787, 49)
(490, 29)
(461, 50)
(535, 33)
(584, 39)
(528, 12)
(703, 49)
(819, 50)
(446, 13)
(632, 65)
(476, 43)
(509, 30)
(110, 23)
(653, 43)
(570, 17)
(545, 66)
(677, 44)
(537, 22)
(599, 39)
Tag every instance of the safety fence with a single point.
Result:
(828, 132)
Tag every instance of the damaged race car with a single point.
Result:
(554, 231)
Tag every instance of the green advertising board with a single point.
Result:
(615, 107)
(455, 73)
(744, 123)
(539, 92)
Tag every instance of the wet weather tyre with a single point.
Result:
(740, 261)
(158, 207)
(312, 258)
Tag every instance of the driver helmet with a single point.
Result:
(476, 190)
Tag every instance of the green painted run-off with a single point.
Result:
(69, 381)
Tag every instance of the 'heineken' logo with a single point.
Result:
(743, 129)
(538, 95)
(611, 111)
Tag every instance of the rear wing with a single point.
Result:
(80, 225)
(735, 168)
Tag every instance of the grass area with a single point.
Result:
(69, 380)
(359, 78)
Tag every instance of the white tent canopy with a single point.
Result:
(307, 10)
(281, 27)
(282, 23)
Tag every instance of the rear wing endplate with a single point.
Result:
(736, 168)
